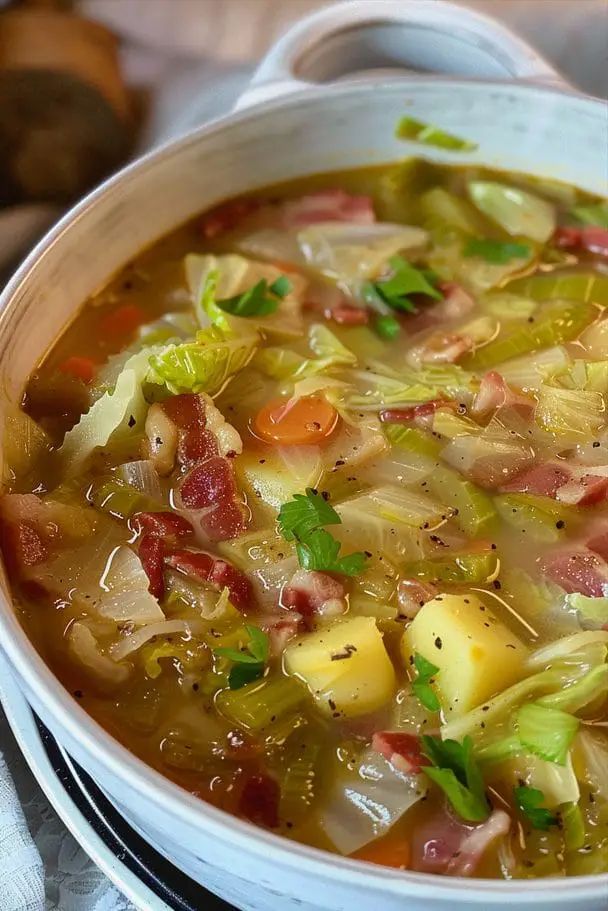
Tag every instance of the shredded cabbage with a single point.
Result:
(571, 413)
(590, 610)
(284, 364)
(377, 390)
(516, 211)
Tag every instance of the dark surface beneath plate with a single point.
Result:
(176, 889)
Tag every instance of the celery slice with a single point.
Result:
(461, 569)
(299, 783)
(540, 518)
(558, 324)
(476, 514)
(440, 208)
(412, 439)
(584, 287)
(119, 500)
(259, 704)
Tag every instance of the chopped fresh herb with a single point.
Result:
(416, 130)
(528, 801)
(546, 732)
(387, 327)
(301, 520)
(592, 214)
(304, 514)
(495, 251)
(455, 771)
(259, 300)
(320, 551)
(404, 279)
(421, 686)
(249, 663)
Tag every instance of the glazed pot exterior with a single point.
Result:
(540, 131)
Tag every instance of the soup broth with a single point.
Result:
(308, 509)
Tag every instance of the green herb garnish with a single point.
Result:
(592, 214)
(249, 663)
(421, 686)
(261, 299)
(387, 327)
(529, 800)
(455, 771)
(495, 251)
(302, 520)
(546, 732)
(418, 131)
(404, 280)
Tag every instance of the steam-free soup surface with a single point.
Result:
(308, 509)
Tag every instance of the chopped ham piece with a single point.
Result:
(227, 216)
(167, 525)
(578, 569)
(494, 392)
(566, 483)
(442, 349)
(592, 238)
(407, 415)
(412, 595)
(402, 750)
(259, 801)
(217, 572)
(314, 594)
(281, 629)
(328, 205)
(544, 480)
(583, 491)
(445, 845)
(151, 553)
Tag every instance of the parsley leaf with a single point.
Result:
(320, 550)
(404, 280)
(249, 663)
(529, 801)
(455, 771)
(301, 520)
(495, 251)
(418, 131)
(421, 686)
(305, 513)
(261, 299)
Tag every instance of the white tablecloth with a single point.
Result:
(182, 50)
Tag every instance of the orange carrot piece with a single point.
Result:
(83, 368)
(388, 852)
(306, 422)
(123, 321)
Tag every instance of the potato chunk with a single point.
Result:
(345, 666)
(476, 654)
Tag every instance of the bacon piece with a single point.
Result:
(586, 490)
(22, 547)
(412, 595)
(442, 349)
(281, 629)
(494, 392)
(195, 443)
(592, 238)
(151, 552)
(208, 484)
(598, 542)
(464, 862)
(313, 594)
(407, 415)
(348, 316)
(578, 570)
(445, 845)
(328, 205)
(259, 801)
(456, 301)
(567, 237)
(402, 750)
(544, 480)
(227, 216)
(217, 572)
(167, 525)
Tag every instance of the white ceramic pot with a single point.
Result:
(521, 125)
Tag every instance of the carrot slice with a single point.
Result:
(123, 321)
(387, 852)
(304, 422)
(83, 368)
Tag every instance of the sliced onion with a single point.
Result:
(143, 476)
(134, 640)
(85, 649)
(125, 595)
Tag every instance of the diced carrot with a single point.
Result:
(83, 368)
(308, 421)
(388, 852)
(123, 321)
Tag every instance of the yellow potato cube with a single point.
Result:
(477, 655)
(345, 666)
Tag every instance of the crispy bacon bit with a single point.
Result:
(314, 594)
(494, 392)
(348, 316)
(412, 595)
(167, 525)
(217, 572)
(402, 750)
(259, 801)
(578, 570)
(208, 483)
(195, 443)
(328, 205)
(407, 415)
(227, 216)
(151, 551)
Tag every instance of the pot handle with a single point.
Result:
(420, 36)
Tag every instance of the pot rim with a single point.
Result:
(150, 784)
